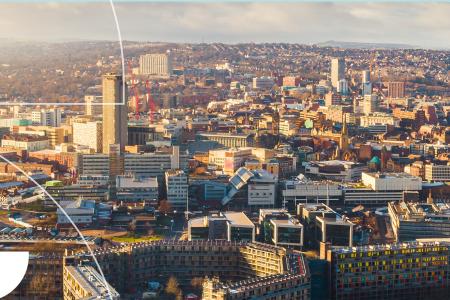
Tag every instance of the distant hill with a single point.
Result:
(356, 45)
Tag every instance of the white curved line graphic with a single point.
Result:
(68, 217)
(119, 36)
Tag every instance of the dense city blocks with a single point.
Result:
(225, 151)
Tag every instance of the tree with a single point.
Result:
(197, 284)
(173, 289)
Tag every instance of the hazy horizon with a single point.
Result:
(424, 25)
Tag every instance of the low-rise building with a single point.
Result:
(279, 227)
(80, 212)
(411, 221)
(323, 225)
(84, 282)
(230, 226)
(26, 142)
(130, 188)
(434, 172)
(306, 191)
(335, 170)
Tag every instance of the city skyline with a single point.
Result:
(413, 24)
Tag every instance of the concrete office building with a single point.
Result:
(115, 117)
(378, 189)
(367, 88)
(332, 99)
(305, 191)
(338, 170)
(391, 181)
(26, 142)
(88, 134)
(379, 119)
(93, 180)
(75, 192)
(396, 89)
(131, 188)
(229, 226)
(47, 117)
(434, 172)
(262, 189)
(337, 71)
(229, 140)
(156, 64)
(94, 105)
(342, 87)
(280, 228)
(370, 104)
(335, 230)
(177, 188)
(153, 164)
(263, 83)
(323, 225)
(411, 221)
(356, 194)
(365, 76)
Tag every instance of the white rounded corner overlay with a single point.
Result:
(14, 265)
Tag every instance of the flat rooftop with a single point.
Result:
(394, 246)
(136, 182)
(92, 281)
(412, 211)
(390, 175)
(286, 223)
(238, 219)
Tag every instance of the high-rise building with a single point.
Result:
(370, 104)
(177, 188)
(366, 83)
(367, 88)
(115, 121)
(93, 104)
(156, 64)
(396, 89)
(342, 87)
(47, 117)
(337, 71)
(88, 134)
(365, 76)
(332, 99)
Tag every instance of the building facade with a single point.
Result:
(115, 117)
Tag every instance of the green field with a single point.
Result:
(135, 239)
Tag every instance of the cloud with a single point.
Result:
(411, 23)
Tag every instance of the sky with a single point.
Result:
(419, 24)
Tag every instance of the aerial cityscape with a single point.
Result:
(219, 163)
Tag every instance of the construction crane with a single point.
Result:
(135, 90)
(151, 103)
